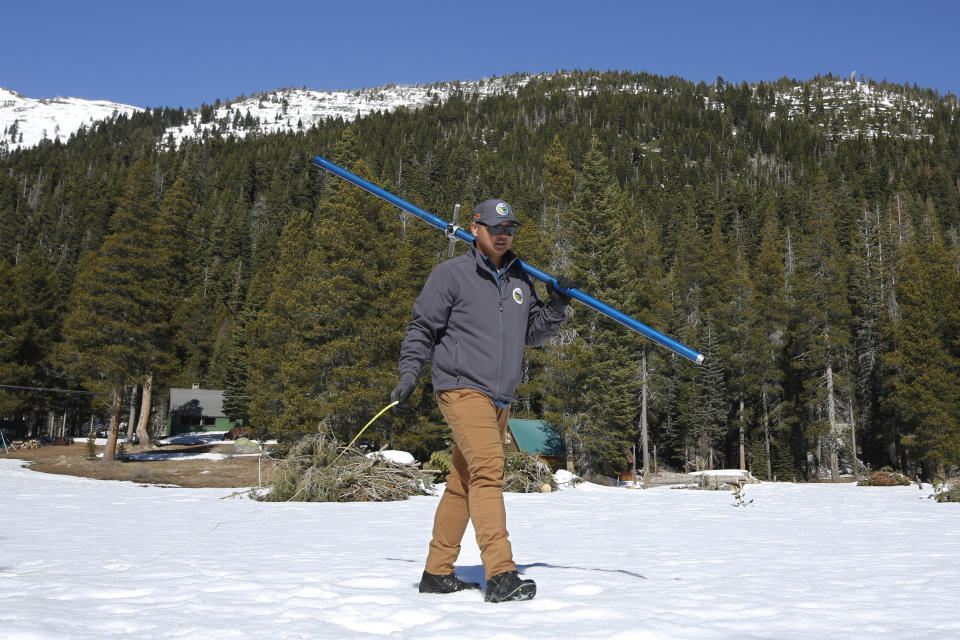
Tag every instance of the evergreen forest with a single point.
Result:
(810, 249)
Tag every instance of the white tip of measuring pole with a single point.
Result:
(699, 358)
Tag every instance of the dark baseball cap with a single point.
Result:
(493, 212)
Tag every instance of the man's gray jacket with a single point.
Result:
(475, 325)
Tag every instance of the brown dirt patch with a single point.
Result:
(72, 460)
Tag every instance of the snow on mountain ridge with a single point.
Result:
(25, 122)
(860, 108)
(293, 110)
(855, 108)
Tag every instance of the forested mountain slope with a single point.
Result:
(804, 235)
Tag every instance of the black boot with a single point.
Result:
(508, 586)
(430, 583)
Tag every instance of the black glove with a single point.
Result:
(400, 393)
(559, 300)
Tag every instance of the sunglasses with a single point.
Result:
(499, 230)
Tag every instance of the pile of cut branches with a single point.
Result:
(948, 491)
(314, 471)
(527, 473)
(885, 477)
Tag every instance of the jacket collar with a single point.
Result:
(482, 261)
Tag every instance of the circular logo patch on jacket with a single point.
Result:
(518, 295)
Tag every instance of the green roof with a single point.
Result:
(536, 436)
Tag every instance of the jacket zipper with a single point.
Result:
(500, 365)
(499, 283)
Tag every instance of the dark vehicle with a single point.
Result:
(99, 430)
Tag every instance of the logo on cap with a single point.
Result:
(503, 209)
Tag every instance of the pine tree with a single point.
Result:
(609, 391)
(558, 178)
(686, 291)
(561, 364)
(689, 258)
(11, 223)
(352, 351)
(743, 341)
(30, 318)
(925, 394)
(708, 413)
(647, 300)
(613, 383)
(768, 341)
(236, 400)
(896, 234)
(589, 226)
(821, 333)
(276, 332)
(118, 312)
(323, 350)
(168, 279)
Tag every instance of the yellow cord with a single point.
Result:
(382, 411)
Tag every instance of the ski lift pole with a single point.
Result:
(453, 231)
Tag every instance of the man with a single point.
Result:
(473, 318)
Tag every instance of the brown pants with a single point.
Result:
(474, 485)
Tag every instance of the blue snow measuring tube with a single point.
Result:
(457, 232)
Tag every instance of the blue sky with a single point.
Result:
(179, 53)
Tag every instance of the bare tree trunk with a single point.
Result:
(142, 434)
(832, 417)
(766, 436)
(158, 426)
(133, 412)
(812, 467)
(743, 450)
(111, 450)
(644, 428)
(853, 439)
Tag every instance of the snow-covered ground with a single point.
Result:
(82, 558)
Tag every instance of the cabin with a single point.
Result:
(537, 437)
(197, 410)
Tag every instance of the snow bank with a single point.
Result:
(197, 437)
(564, 478)
(155, 456)
(804, 561)
(400, 457)
(722, 472)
